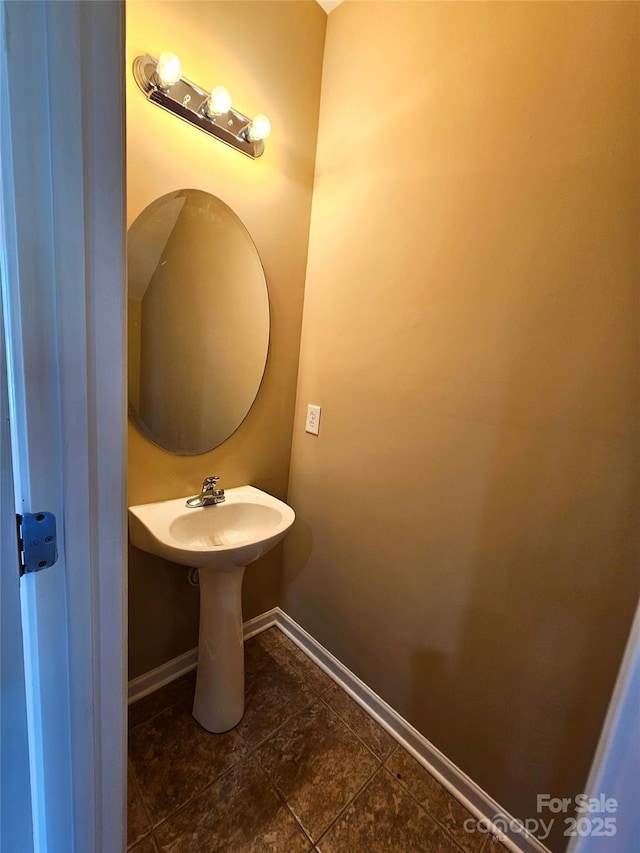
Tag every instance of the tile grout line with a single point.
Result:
(318, 698)
(400, 782)
(138, 789)
(349, 803)
(355, 734)
(381, 769)
(320, 701)
(194, 796)
(268, 737)
(198, 794)
(154, 716)
(297, 670)
(284, 801)
(396, 747)
(161, 711)
(224, 772)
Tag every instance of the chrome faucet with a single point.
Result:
(209, 494)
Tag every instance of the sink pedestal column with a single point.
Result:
(219, 700)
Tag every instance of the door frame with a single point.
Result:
(615, 771)
(63, 265)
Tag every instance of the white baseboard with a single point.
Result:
(161, 675)
(172, 669)
(260, 623)
(508, 830)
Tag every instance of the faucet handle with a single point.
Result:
(209, 483)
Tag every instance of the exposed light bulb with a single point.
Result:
(218, 102)
(168, 69)
(259, 128)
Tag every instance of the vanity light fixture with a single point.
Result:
(162, 83)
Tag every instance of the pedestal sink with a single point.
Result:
(220, 541)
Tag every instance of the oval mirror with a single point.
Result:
(198, 322)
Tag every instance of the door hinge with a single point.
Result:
(37, 547)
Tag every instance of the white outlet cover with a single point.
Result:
(313, 419)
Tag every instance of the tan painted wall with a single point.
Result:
(467, 519)
(269, 55)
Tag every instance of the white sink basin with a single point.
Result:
(224, 536)
(219, 540)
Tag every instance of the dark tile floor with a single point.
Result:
(306, 769)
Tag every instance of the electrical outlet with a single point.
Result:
(313, 419)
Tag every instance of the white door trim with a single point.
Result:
(16, 823)
(62, 146)
(615, 771)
